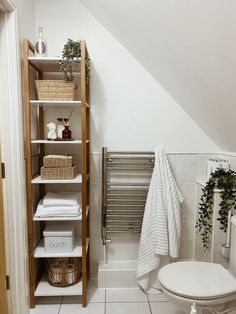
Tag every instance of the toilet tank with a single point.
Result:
(232, 258)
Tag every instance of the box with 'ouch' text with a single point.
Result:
(59, 239)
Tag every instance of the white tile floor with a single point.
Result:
(107, 301)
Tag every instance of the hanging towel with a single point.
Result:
(161, 223)
(57, 211)
(62, 199)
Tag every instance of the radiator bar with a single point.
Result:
(126, 178)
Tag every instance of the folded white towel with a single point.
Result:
(62, 199)
(57, 211)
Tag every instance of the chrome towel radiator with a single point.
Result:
(125, 182)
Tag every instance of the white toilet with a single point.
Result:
(202, 283)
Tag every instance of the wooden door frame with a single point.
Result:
(12, 147)
(3, 273)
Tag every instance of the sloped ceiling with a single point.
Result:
(189, 47)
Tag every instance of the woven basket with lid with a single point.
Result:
(56, 90)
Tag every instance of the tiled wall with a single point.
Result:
(187, 168)
(218, 238)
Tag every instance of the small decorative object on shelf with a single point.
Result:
(60, 126)
(66, 132)
(40, 45)
(52, 135)
(70, 59)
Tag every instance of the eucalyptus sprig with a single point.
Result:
(225, 181)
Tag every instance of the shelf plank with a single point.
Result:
(77, 252)
(203, 183)
(47, 64)
(56, 142)
(45, 289)
(68, 218)
(56, 103)
(77, 179)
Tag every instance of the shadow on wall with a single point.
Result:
(98, 108)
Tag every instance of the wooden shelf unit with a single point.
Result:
(34, 68)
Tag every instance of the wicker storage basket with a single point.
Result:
(56, 161)
(58, 173)
(63, 272)
(56, 90)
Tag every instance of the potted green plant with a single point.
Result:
(64, 90)
(71, 54)
(226, 182)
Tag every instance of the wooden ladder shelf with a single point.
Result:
(35, 149)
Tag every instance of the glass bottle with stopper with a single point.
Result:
(40, 45)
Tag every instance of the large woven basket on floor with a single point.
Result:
(64, 271)
(56, 90)
(61, 173)
(55, 161)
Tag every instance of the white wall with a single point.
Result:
(26, 18)
(187, 46)
(129, 108)
(187, 169)
(129, 111)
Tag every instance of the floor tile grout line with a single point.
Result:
(105, 305)
(60, 305)
(126, 301)
(149, 305)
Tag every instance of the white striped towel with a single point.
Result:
(161, 227)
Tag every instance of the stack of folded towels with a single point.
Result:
(59, 204)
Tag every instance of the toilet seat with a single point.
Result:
(197, 280)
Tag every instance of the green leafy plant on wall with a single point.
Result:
(226, 182)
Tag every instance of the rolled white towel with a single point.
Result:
(57, 211)
(62, 199)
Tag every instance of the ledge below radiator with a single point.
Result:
(117, 274)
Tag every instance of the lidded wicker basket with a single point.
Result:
(54, 161)
(60, 173)
(56, 90)
(64, 271)
(57, 167)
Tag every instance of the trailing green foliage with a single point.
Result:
(225, 181)
(70, 59)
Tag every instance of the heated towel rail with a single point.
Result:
(125, 182)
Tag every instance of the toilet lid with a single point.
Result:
(197, 280)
